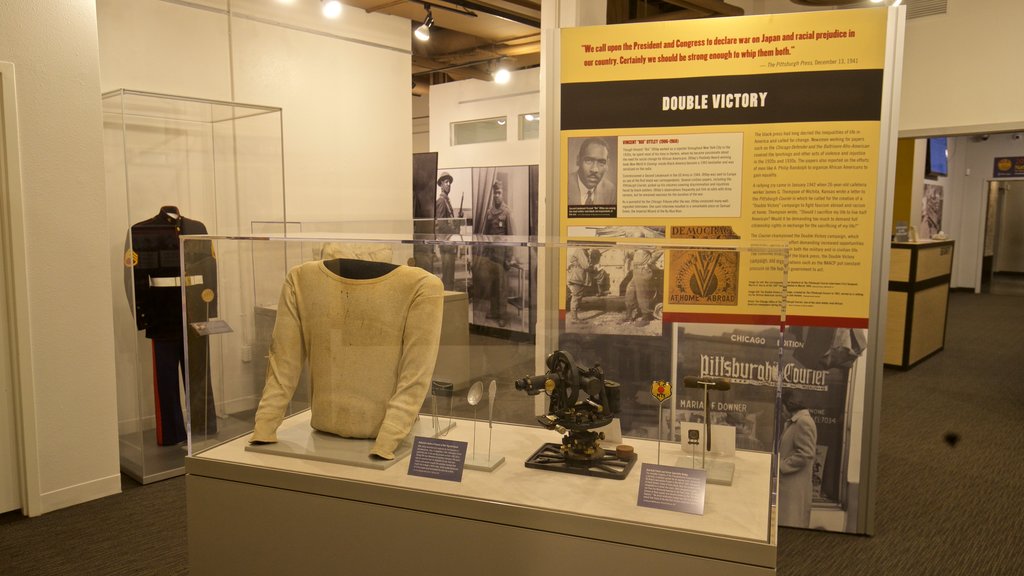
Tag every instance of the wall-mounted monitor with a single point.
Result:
(936, 162)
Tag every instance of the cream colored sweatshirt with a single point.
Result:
(371, 346)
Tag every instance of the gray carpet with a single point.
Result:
(139, 531)
(942, 509)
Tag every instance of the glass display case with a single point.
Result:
(177, 166)
(635, 405)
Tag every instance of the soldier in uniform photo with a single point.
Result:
(585, 278)
(642, 287)
(495, 261)
(444, 226)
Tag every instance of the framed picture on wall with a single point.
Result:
(931, 211)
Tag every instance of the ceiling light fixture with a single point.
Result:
(331, 8)
(423, 32)
(502, 75)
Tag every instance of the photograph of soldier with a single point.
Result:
(585, 278)
(615, 290)
(500, 295)
(591, 185)
(444, 227)
(495, 261)
(644, 265)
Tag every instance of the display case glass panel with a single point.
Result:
(655, 339)
(177, 166)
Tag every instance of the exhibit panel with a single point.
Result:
(177, 166)
(705, 128)
(376, 393)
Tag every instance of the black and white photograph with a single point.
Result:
(424, 176)
(592, 184)
(614, 290)
(931, 211)
(503, 291)
(817, 375)
(616, 231)
(453, 210)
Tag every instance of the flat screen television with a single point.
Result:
(935, 161)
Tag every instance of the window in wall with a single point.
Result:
(529, 126)
(477, 131)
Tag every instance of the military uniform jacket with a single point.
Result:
(153, 264)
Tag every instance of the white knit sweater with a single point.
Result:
(371, 346)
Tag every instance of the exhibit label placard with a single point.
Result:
(437, 458)
(672, 488)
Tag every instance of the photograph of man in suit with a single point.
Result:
(588, 184)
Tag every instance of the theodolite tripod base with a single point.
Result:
(603, 464)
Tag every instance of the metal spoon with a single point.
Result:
(492, 388)
(476, 393)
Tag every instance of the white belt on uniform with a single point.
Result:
(175, 281)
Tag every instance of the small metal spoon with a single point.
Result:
(476, 393)
(492, 389)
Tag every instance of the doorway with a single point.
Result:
(1002, 271)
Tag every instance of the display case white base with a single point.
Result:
(246, 510)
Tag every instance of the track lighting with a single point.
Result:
(423, 32)
(331, 8)
(502, 75)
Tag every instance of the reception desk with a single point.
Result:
(919, 274)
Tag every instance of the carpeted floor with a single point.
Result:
(942, 508)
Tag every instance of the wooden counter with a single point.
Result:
(919, 275)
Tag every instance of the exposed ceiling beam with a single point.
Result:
(459, 8)
(669, 16)
(466, 69)
(709, 6)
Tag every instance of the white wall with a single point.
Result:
(70, 438)
(421, 123)
(956, 78)
(955, 74)
(474, 100)
(343, 85)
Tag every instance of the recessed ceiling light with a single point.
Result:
(331, 8)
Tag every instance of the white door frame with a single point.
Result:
(14, 299)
